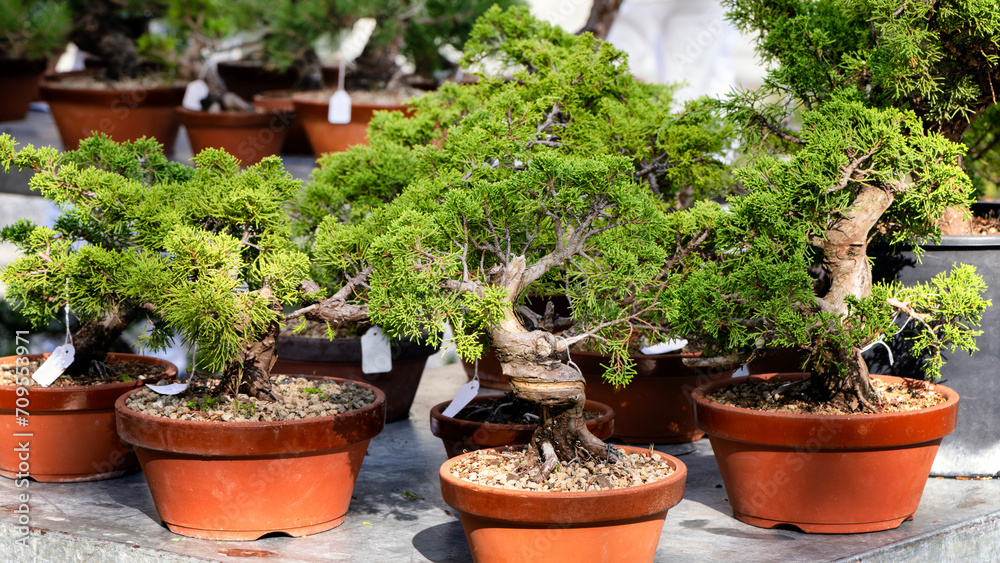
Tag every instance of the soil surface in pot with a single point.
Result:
(299, 398)
(93, 82)
(799, 398)
(507, 409)
(987, 225)
(506, 470)
(100, 372)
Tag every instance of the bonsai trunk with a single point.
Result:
(532, 362)
(250, 371)
(844, 250)
(99, 30)
(94, 339)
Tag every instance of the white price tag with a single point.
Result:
(197, 90)
(466, 393)
(340, 107)
(665, 347)
(376, 352)
(55, 365)
(171, 389)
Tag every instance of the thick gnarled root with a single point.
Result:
(563, 435)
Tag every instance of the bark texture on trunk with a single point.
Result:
(93, 340)
(532, 361)
(602, 15)
(250, 371)
(845, 260)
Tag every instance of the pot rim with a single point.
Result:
(867, 430)
(379, 400)
(608, 505)
(171, 372)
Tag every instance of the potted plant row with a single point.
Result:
(31, 32)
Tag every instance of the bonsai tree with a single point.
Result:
(110, 29)
(32, 29)
(940, 60)
(539, 183)
(204, 252)
(69, 263)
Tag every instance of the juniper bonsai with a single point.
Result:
(32, 29)
(539, 182)
(204, 252)
(859, 172)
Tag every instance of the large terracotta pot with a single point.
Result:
(460, 436)
(621, 525)
(296, 140)
(312, 109)
(242, 480)
(656, 406)
(824, 473)
(18, 86)
(70, 435)
(124, 114)
(341, 357)
(247, 135)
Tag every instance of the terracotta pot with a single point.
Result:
(72, 435)
(824, 473)
(341, 358)
(247, 135)
(460, 436)
(18, 86)
(242, 480)
(296, 140)
(490, 371)
(122, 114)
(655, 408)
(621, 525)
(313, 107)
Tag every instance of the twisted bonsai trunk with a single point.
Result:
(532, 362)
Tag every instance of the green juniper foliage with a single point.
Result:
(32, 28)
(940, 59)
(558, 163)
(858, 170)
(204, 250)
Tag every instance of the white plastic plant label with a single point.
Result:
(376, 352)
(665, 347)
(169, 389)
(466, 393)
(340, 108)
(54, 365)
(197, 90)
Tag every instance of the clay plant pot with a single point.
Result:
(833, 474)
(296, 140)
(341, 358)
(312, 108)
(619, 525)
(18, 86)
(248, 78)
(655, 408)
(71, 434)
(125, 114)
(247, 135)
(461, 436)
(241, 480)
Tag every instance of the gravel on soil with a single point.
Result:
(507, 470)
(299, 398)
(100, 372)
(763, 396)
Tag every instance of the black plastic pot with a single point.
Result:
(974, 447)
